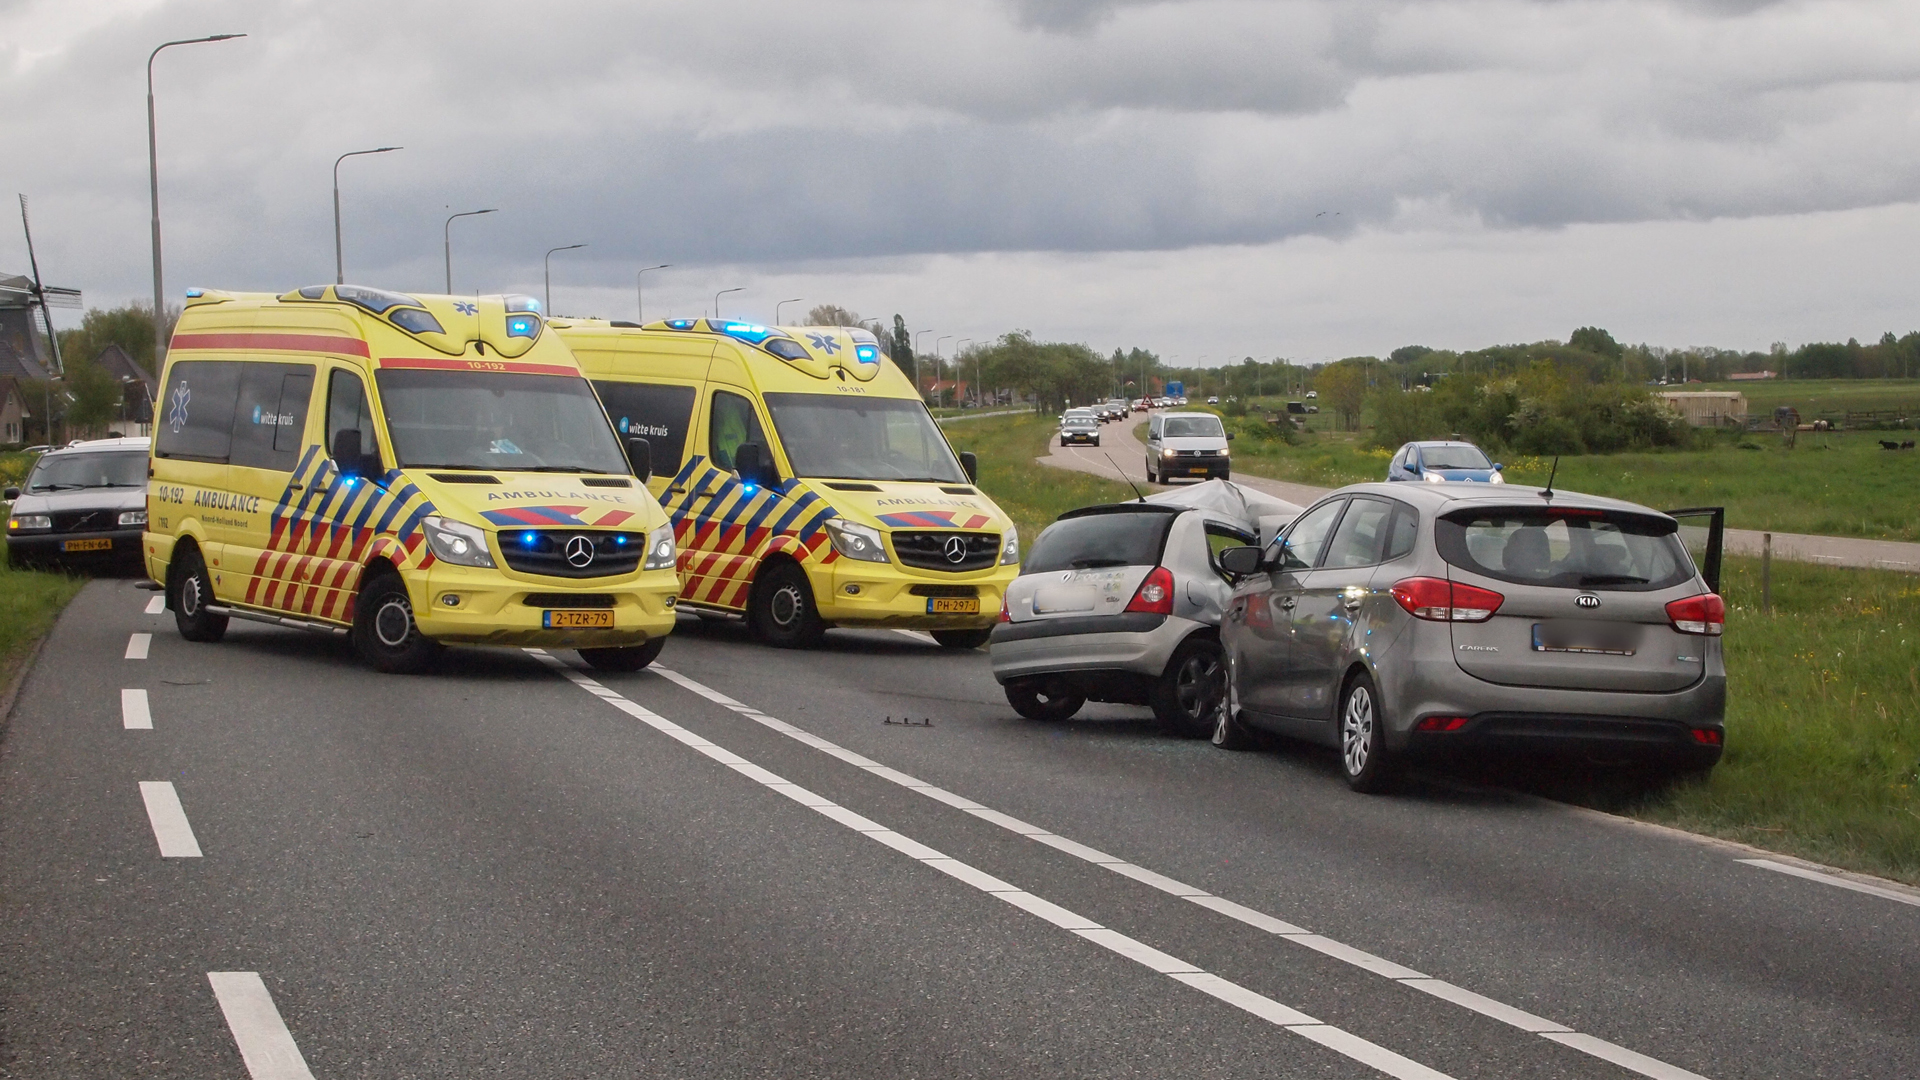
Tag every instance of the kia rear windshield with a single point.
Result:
(1565, 548)
(1086, 543)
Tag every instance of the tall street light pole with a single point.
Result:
(547, 273)
(339, 265)
(446, 240)
(153, 182)
(916, 359)
(639, 294)
(959, 349)
(938, 358)
(721, 293)
(781, 304)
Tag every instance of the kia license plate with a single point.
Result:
(963, 605)
(578, 620)
(1604, 639)
(102, 544)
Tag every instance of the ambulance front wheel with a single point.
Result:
(384, 631)
(189, 591)
(781, 612)
(624, 657)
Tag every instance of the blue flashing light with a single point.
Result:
(680, 324)
(749, 487)
(517, 304)
(620, 541)
(867, 354)
(751, 333)
(194, 293)
(528, 539)
(523, 326)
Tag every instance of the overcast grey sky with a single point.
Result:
(1207, 178)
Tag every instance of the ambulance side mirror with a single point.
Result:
(970, 465)
(640, 457)
(750, 461)
(347, 456)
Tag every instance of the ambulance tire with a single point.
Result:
(624, 657)
(189, 591)
(781, 612)
(963, 639)
(384, 632)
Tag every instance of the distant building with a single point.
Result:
(1747, 376)
(1708, 408)
(138, 388)
(16, 351)
(13, 411)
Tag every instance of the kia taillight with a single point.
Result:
(1446, 601)
(1155, 595)
(1703, 614)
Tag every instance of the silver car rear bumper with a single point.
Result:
(1075, 645)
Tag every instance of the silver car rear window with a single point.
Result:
(1114, 539)
(1567, 548)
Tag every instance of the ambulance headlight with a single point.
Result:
(661, 553)
(1010, 547)
(456, 543)
(855, 541)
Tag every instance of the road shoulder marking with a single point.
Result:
(134, 713)
(156, 606)
(266, 1046)
(169, 820)
(1829, 879)
(137, 646)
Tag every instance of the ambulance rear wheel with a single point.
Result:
(781, 611)
(384, 631)
(963, 639)
(189, 591)
(624, 657)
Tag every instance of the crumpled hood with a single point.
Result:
(542, 501)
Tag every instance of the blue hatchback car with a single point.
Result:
(1437, 462)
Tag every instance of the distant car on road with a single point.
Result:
(1119, 604)
(1187, 444)
(1213, 399)
(1313, 394)
(1437, 462)
(1392, 621)
(82, 505)
(1080, 429)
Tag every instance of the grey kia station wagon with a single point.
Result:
(1392, 620)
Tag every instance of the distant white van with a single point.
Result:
(1187, 444)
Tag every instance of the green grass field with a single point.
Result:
(1816, 396)
(29, 600)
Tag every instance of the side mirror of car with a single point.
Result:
(640, 458)
(1229, 436)
(970, 464)
(750, 460)
(1413, 467)
(10, 494)
(349, 458)
(1497, 467)
(1241, 561)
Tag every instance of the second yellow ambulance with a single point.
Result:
(808, 485)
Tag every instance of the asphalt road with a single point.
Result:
(733, 866)
(1124, 447)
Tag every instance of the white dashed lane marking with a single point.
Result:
(266, 1046)
(169, 820)
(1405, 976)
(137, 646)
(157, 605)
(1829, 879)
(134, 713)
(1289, 1019)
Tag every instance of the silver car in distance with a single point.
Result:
(1392, 621)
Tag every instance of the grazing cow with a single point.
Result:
(1885, 445)
(1908, 445)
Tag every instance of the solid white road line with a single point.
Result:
(1829, 879)
(157, 605)
(137, 646)
(169, 820)
(134, 714)
(1365, 961)
(1289, 1019)
(266, 1046)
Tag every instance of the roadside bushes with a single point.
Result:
(1546, 409)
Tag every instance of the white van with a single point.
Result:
(1187, 444)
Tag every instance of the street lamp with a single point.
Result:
(547, 272)
(153, 182)
(959, 348)
(781, 304)
(639, 295)
(339, 267)
(937, 358)
(721, 293)
(446, 240)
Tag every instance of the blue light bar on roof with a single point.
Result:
(193, 293)
(867, 354)
(680, 324)
(523, 325)
(752, 333)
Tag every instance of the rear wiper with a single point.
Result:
(1611, 579)
(1095, 564)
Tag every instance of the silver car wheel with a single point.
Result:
(1356, 730)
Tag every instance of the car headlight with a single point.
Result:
(661, 553)
(1496, 478)
(133, 517)
(29, 522)
(1010, 546)
(855, 541)
(457, 543)
(1169, 453)
(1432, 476)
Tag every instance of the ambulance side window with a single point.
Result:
(733, 422)
(270, 421)
(657, 413)
(196, 410)
(347, 411)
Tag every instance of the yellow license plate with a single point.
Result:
(969, 605)
(86, 545)
(579, 620)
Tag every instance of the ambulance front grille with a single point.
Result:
(555, 553)
(930, 551)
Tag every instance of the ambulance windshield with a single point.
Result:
(495, 420)
(831, 436)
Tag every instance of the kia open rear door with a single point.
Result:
(1703, 529)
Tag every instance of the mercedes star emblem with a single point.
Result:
(956, 549)
(579, 553)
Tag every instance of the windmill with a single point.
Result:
(20, 295)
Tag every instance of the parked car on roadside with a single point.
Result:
(1437, 462)
(82, 505)
(1121, 604)
(1396, 621)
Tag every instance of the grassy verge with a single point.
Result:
(1032, 494)
(29, 600)
(1815, 396)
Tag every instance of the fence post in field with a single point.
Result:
(1766, 572)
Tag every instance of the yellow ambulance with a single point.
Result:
(411, 470)
(807, 483)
